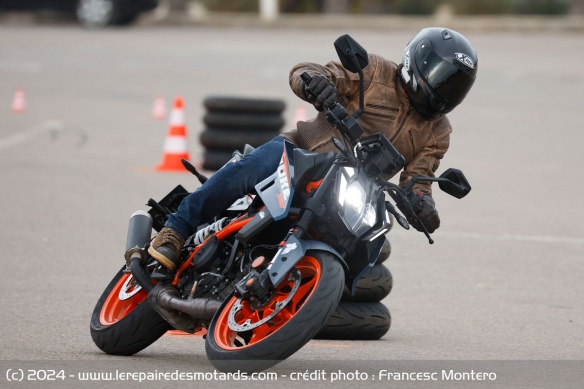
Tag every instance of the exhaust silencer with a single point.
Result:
(139, 234)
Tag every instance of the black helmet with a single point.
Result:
(438, 69)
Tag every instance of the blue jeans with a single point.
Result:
(223, 188)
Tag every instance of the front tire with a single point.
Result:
(296, 316)
(123, 322)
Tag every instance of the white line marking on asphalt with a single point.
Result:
(520, 238)
(28, 134)
(20, 67)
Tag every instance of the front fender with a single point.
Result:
(289, 255)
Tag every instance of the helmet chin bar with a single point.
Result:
(421, 97)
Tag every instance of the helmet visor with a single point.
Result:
(425, 102)
(446, 78)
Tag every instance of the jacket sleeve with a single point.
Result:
(346, 83)
(427, 161)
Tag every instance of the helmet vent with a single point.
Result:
(446, 35)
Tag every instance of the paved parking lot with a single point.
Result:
(501, 283)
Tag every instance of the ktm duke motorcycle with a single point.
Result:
(264, 276)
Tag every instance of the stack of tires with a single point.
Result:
(232, 122)
(363, 316)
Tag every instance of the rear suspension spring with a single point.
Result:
(212, 228)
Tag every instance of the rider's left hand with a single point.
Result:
(424, 206)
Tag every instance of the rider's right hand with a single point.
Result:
(320, 92)
(424, 207)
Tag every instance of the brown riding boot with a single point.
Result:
(166, 248)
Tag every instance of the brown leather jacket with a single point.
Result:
(387, 110)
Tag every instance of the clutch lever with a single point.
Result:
(337, 115)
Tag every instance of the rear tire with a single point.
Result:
(265, 345)
(125, 326)
(357, 321)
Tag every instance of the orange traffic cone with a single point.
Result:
(18, 102)
(175, 146)
(159, 108)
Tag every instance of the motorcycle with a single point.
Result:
(264, 276)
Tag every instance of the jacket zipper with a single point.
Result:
(401, 125)
(412, 142)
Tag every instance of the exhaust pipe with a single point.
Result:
(198, 308)
(139, 235)
(166, 300)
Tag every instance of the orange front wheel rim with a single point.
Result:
(241, 325)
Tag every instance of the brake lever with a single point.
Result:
(430, 240)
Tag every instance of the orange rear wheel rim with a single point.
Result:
(125, 296)
(229, 339)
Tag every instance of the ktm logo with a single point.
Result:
(284, 183)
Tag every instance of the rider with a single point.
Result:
(406, 102)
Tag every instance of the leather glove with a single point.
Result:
(424, 206)
(320, 92)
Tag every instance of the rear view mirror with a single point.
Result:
(453, 182)
(354, 58)
(352, 55)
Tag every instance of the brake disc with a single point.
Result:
(129, 289)
(248, 324)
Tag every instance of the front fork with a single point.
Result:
(292, 249)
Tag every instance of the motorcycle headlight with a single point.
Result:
(357, 210)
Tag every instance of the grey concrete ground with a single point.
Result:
(501, 285)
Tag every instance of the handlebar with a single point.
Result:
(337, 115)
(348, 126)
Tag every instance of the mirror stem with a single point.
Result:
(413, 181)
(361, 109)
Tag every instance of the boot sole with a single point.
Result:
(163, 260)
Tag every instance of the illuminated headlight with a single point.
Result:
(358, 214)
(355, 197)
(370, 215)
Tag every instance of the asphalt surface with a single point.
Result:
(501, 289)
